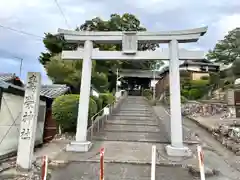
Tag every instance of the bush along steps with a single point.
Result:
(65, 109)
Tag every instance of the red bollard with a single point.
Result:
(102, 164)
(44, 167)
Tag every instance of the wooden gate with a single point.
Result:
(50, 127)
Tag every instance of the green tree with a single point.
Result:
(126, 22)
(227, 50)
(69, 72)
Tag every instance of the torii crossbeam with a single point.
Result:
(129, 51)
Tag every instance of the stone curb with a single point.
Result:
(198, 123)
(57, 163)
(166, 164)
(192, 169)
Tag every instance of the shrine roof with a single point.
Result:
(138, 73)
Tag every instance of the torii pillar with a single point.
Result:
(81, 144)
(176, 148)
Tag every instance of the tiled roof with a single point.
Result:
(49, 91)
(184, 63)
(7, 76)
(53, 91)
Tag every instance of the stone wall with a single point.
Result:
(218, 119)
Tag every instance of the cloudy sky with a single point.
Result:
(39, 16)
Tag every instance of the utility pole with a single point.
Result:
(20, 69)
(15, 57)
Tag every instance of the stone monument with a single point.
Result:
(28, 123)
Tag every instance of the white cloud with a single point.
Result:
(39, 16)
(228, 23)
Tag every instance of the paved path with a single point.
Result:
(128, 138)
(216, 155)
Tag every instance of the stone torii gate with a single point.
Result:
(129, 51)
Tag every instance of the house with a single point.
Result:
(11, 101)
(195, 70)
(11, 78)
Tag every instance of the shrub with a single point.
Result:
(167, 100)
(107, 98)
(185, 93)
(65, 111)
(195, 94)
(99, 102)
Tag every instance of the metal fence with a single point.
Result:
(98, 120)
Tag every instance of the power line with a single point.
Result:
(10, 54)
(15, 57)
(62, 13)
(21, 32)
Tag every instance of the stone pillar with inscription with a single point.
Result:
(28, 123)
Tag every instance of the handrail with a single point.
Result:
(95, 115)
(103, 117)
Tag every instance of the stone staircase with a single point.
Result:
(134, 122)
(127, 137)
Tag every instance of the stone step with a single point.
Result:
(132, 122)
(132, 136)
(139, 102)
(136, 115)
(147, 111)
(134, 109)
(122, 128)
(118, 171)
(133, 118)
(135, 104)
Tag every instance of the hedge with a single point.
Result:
(167, 100)
(107, 98)
(65, 111)
(99, 102)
